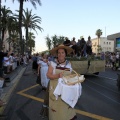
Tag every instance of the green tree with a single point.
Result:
(31, 41)
(54, 40)
(98, 33)
(12, 27)
(34, 2)
(48, 42)
(14, 40)
(30, 22)
(61, 39)
(6, 14)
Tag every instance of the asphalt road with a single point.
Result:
(100, 98)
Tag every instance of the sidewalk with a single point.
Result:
(14, 78)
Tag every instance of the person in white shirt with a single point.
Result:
(43, 68)
(6, 63)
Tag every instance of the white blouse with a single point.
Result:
(53, 64)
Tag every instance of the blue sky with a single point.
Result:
(73, 19)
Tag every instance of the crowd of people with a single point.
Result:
(9, 61)
(80, 48)
(111, 59)
(49, 69)
(83, 48)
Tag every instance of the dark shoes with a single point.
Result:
(44, 112)
(7, 79)
(43, 88)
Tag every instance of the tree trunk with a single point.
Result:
(30, 49)
(98, 44)
(20, 24)
(9, 39)
(0, 28)
(26, 39)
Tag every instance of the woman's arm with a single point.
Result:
(50, 74)
(39, 68)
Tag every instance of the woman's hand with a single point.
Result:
(61, 75)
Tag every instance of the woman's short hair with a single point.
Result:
(64, 50)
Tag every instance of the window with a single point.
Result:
(109, 43)
(104, 42)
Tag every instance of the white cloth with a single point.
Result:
(69, 94)
(6, 61)
(44, 69)
(11, 59)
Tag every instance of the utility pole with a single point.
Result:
(105, 31)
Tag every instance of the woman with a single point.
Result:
(43, 64)
(58, 109)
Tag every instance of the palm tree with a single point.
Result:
(48, 42)
(98, 33)
(14, 39)
(6, 15)
(31, 41)
(21, 12)
(12, 27)
(30, 22)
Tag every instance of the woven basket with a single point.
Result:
(72, 79)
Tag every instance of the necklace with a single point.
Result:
(60, 62)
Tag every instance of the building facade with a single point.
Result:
(116, 39)
(102, 45)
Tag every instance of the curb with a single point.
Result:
(15, 81)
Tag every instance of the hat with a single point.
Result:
(54, 50)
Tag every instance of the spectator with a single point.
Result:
(74, 46)
(6, 63)
(67, 42)
(2, 55)
(89, 46)
(113, 59)
(83, 47)
(25, 60)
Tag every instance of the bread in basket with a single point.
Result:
(72, 79)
